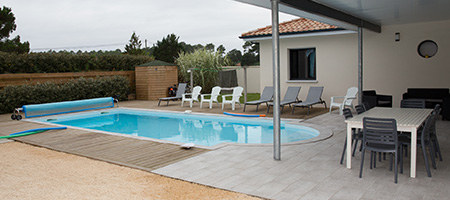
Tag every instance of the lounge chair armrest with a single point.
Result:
(225, 96)
(337, 97)
(186, 94)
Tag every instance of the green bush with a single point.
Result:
(206, 66)
(68, 62)
(16, 96)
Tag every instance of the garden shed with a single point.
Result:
(154, 78)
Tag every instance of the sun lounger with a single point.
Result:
(314, 97)
(290, 97)
(266, 96)
(180, 91)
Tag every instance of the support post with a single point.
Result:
(276, 81)
(245, 83)
(191, 71)
(360, 64)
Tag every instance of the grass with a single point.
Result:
(250, 97)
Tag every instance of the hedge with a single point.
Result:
(16, 96)
(68, 62)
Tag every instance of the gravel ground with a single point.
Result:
(29, 172)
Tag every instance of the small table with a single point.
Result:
(408, 120)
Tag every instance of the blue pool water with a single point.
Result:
(199, 129)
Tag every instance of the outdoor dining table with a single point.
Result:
(408, 120)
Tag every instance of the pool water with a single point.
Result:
(206, 130)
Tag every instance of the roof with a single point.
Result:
(295, 26)
(156, 63)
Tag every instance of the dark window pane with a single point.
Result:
(302, 65)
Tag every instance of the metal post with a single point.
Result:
(360, 64)
(276, 81)
(245, 83)
(191, 70)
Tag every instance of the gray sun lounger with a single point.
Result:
(180, 91)
(266, 96)
(314, 97)
(290, 97)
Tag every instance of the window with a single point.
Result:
(302, 64)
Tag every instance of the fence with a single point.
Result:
(21, 79)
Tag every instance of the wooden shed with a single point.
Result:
(154, 78)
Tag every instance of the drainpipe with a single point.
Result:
(276, 81)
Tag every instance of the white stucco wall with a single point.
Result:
(389, 67)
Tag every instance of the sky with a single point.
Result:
(88, 25)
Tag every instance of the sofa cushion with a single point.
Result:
(428, 93)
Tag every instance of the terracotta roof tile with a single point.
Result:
(294, 26)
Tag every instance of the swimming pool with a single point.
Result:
(200, 129)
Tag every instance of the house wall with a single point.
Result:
(389, 67)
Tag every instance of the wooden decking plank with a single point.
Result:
(132, 152)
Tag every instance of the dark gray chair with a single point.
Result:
(433, 135)
(356, 134)
(424, 141)
(360, 109)
(290, 97)
(266, 96)
(314, 97)
(380, 135)
(180, 91)
(412, 103)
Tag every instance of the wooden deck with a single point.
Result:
(126, 151)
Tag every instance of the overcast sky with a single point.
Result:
(107, 25)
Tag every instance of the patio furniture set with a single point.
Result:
(290, 98)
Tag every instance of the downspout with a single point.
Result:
(276, 81)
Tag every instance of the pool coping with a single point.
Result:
(324, 133)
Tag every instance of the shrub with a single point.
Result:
(68, 62)
(206, 66)
(16, 96)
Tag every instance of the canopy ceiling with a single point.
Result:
(370, 14)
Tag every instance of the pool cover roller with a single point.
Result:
(39, 110)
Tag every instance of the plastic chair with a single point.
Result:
(356, 134)
(237, 93)
(433, 135)
(193, 96)
(360, 109)
(314, 97)
(412, 103)
(347, 99)
(380, 135)
(180, 91)
(290, 97)
(424, 141)
(213, 97)
(266, 96)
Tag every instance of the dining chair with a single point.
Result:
(380, 135)
(356, 134)
(360, 109)
(412, 103)
(423, 141)
(433, 135)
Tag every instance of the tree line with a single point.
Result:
(168, 49)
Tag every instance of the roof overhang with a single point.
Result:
(371, 15)
(300, 34)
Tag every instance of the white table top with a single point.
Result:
(404, 116)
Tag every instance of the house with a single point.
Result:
(328, 55)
